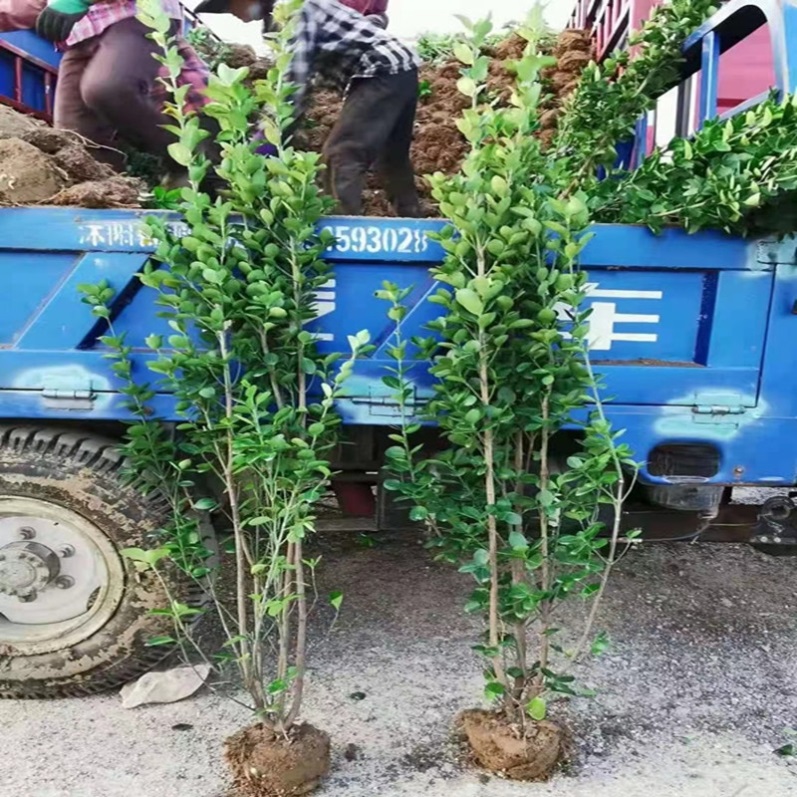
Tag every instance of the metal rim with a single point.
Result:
(83, 586)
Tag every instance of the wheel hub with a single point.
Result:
(26, 568)
(54, 569)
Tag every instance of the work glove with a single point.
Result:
(55, 23)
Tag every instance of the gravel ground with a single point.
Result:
(695, 694)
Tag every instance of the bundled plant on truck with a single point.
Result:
(738, 175)
(509, 352)
(735, 174)
(210, 48)
(439, 47)
(613, 96)
(236, 289)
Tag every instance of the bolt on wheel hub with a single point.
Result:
(26, 568)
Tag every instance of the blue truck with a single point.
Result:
(692, 335)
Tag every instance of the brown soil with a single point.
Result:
(438, 144)
(26, 176)
(47, 139)
(80, 166)
(13, 124)
(42, 166)
(502, 748)
(266, 765)
(238, 55)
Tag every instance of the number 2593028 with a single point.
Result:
(378, 240)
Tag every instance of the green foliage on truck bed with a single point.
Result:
(737, 175)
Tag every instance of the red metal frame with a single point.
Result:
(610, 21)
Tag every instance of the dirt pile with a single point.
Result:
(438, 144)
(25, 176)
(573, 50)
(237, 55)
(42, 166)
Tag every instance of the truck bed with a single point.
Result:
(691, 334)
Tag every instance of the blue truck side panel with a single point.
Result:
(692, 335)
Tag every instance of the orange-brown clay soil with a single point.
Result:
(438, 144)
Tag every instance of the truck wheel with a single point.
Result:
(74, 613)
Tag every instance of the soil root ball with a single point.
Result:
(238, 55)
(49, 140)
(114, 192)
(26, 177)
(573, 40)
(264, 764)
(499, 747)
(80, 166)
(42, 166)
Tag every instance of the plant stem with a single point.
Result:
(518, 577)
(494, 630)
(545, 607)
(246, 652)
(301, 636)
(284, 628)
(617, 506)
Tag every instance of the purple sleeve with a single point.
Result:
(263, 147)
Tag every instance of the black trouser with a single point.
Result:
(375, 130)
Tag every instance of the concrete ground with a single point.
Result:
(697, 692)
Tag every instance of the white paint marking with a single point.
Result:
(633, 337)
(604, 319)
(605, 293)
(324, 305)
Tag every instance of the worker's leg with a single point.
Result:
(117, 85)
(71, 113)
(367, 119)
(395, 165)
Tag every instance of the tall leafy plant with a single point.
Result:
(510, 354)
(236, 288)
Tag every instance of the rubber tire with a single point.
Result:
(82, 472)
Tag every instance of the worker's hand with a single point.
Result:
(55, 23)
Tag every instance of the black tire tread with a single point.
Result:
(103, 458)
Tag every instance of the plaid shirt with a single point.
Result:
(339, 44)
(104, 14)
